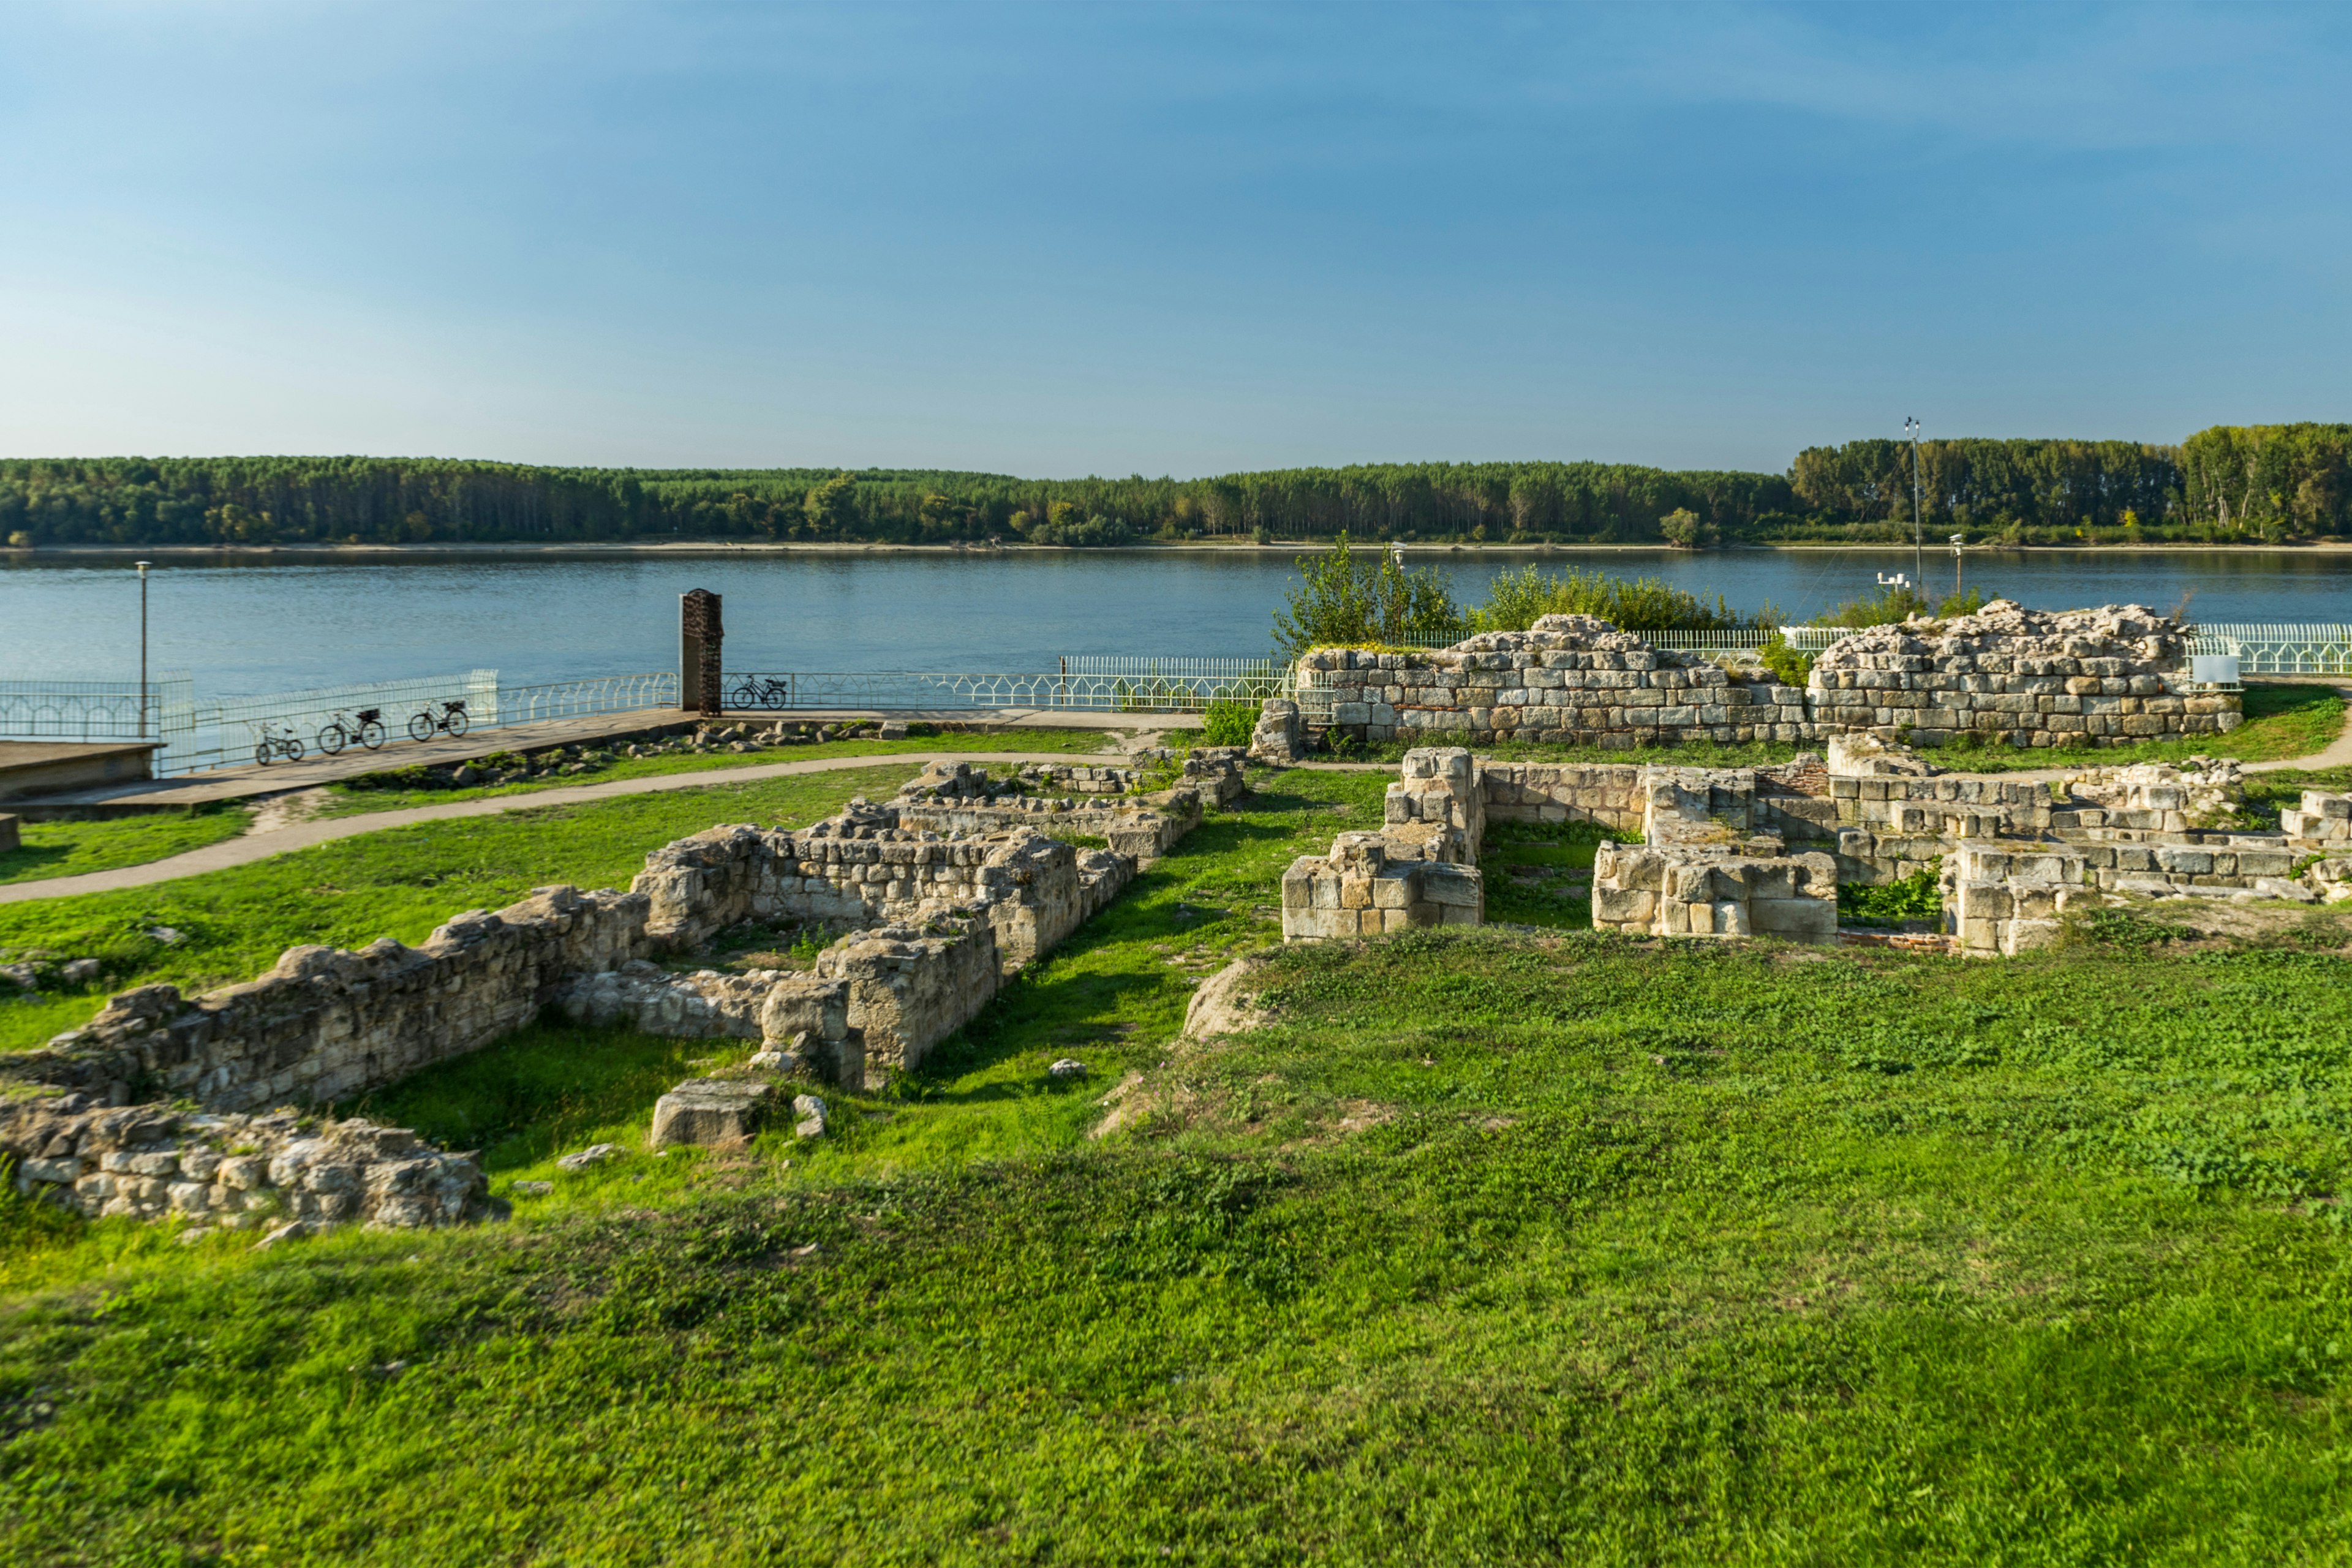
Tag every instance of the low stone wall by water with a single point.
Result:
(2009, 676)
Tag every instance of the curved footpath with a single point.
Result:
(252, 846)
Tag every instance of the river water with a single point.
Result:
(265, 623)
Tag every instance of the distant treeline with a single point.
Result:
(2227, 484)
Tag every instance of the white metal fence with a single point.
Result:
(2280, 650)
(223, 733)
(1086, 684)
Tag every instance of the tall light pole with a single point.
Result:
(142, 566)
(1911, 427)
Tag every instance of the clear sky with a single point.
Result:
(1062, 239)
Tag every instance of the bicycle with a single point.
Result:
(366, 727)
(761, 692)
(447, 718)
(276, 741)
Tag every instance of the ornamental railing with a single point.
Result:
(224, 731)
(1094, 685)
(2262, 648)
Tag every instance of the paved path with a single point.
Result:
(252, 846)
(251, 782)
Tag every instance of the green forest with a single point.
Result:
(2230, 484)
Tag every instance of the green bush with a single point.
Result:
(1918, 897)
(1226, 722)
(1350, 600)
(1516, 599)
(1789, 667)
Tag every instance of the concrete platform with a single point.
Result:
(34, 768)
(250, 782)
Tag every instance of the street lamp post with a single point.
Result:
(142, 566)
(1911, 427)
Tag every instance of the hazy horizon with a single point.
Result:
(1051, 240)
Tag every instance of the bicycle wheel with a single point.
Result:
(332, 739)
(744, 696)
(779, 696)
(420, 727)
(457, 723)
(371, 734)
(261, 754)
(293, 750)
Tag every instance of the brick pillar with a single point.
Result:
(700, 634)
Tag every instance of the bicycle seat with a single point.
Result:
(455, 705)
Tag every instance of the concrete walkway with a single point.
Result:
(252, 846)
(250, 781)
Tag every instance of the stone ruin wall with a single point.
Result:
(943, 921)
(1420, 869)
(1762, 851)
(2020, 677)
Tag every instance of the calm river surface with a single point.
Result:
(263, 624)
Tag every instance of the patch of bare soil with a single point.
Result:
(289, 810)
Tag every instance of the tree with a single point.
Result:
(1345, 599)
(828, 507)
(1682, 528)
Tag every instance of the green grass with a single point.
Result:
(71, 848)
(345, 800)
(2281, 722)
(1540, 874)
(1485, 1248)
(401, 882)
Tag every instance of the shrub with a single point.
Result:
(1348, 601)
(1516, 599)
(1226, 722)
(1789, 667)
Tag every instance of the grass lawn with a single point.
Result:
(1485, 1247)
(401, 882)
(71, 848)
(344, 800)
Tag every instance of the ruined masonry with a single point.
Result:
(1761, 851)
(2008, 675)
(938, 897)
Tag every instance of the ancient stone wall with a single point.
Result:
(2023, 678)
(1688, 890)
(2321, 820)
(235, 1172)
(325, 1024)
(2009, 675)
(1573, 679)
(1357, 890)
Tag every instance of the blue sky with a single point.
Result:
(1060, 239)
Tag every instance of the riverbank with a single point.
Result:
(677, 548)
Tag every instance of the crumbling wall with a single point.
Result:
(325, 1023)
(1357, 890)
(1571, 679)
(2321, 821)
(2024, 678)
(235, 1172)
(1690, 890)
(1436, 807)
